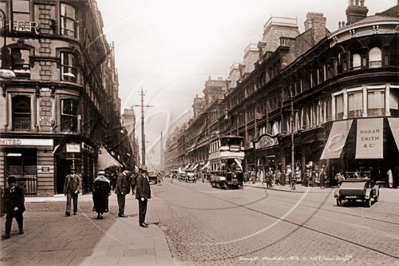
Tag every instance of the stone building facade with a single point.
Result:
(313, 99)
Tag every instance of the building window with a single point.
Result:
(339, 104)
(355, 107)
(393, 102)
(375, 102)
(68, 67)
(20, 62)
(21, 113)
(20, 13)
(375, 57)
(394, 53)
(356, 62)
(68, 20)
(69, 115)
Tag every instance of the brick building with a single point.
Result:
(63, 104)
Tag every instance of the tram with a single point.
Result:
(226, 154)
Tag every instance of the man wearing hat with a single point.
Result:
(121, 190)
(72, 185)
(13, 206)
(143, 193)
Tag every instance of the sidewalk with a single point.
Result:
(51, 238)
(287, 188)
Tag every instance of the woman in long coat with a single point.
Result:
(101, 191)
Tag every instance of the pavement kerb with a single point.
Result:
(146, 246)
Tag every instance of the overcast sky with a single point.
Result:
(170, 47)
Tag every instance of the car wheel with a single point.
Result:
(368, 202)
(339, 202)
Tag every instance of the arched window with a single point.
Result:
(356, 62)
(375, 57)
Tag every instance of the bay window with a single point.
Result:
(68, 67)
(339, 105)
(68, 20)
(69, 115)
(355, 101)
(393, 102)
(375, 102)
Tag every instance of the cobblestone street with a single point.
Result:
(258, 226)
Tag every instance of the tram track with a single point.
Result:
(303, 205)
(303, 224)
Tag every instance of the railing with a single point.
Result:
(28, 183)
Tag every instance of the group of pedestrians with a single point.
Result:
(312, 177)
(137, 182)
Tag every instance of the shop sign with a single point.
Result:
(26, 142)
(87, 147)
(266, 141)
(369, 139)
(73, 148)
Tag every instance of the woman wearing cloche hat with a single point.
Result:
(101, 191)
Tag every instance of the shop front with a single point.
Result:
(32, 163)
(368, 146)
(78, 155)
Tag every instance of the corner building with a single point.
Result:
(313, 99)
(63, 105)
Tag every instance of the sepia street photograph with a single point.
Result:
(199, 133)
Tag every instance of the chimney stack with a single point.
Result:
(356, 11)
(317, 23)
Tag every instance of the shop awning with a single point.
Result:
(106, 160)
(336, 140)
(369, 138)
(194, 167)
(394, 124)
(206, 165)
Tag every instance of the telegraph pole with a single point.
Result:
(161, 151)
(142, 126)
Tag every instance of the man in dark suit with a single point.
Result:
(72, 185)
(143, 193)
(13, 206)
(121, 190)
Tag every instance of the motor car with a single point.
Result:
(190, 177)
(166, 174)
(153, 178)
(354, 189)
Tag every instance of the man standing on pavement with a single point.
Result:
(72, 186)
(13, 206)
(121, 190)
(143, 193)
(133, 179)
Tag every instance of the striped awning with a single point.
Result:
(337, 139)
